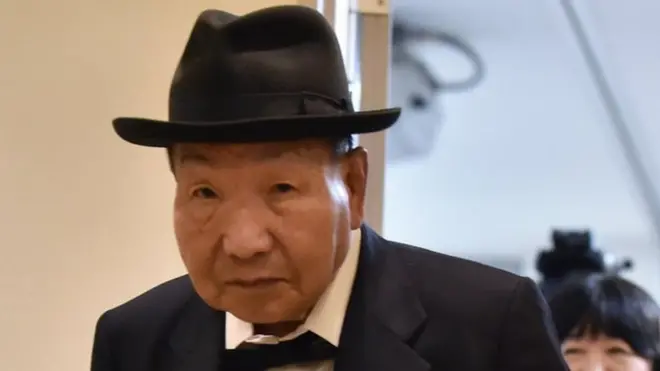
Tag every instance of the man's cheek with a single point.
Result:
(197, 239)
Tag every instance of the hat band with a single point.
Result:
(220, 108)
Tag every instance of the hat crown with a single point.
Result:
(276, 51)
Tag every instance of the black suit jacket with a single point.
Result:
(410, 310)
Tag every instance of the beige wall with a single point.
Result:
(84, 218)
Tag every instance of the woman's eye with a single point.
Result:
(204, 193)
(570, 351)
(283, 188)
(617, 350)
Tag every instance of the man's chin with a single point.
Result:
(267, 313)
(257, 306)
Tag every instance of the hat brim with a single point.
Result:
(155, 133)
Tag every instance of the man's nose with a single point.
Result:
(247, 235)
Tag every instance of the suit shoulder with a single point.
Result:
(153, 306)
(471, 293)
(439, 274)
(434, 263)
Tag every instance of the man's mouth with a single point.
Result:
(255, 282)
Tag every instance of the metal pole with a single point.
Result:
(640, 174)
(310, 3)
(329, 9)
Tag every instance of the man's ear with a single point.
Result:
(355, 169)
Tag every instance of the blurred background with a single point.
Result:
(557, 129)
(520, 118)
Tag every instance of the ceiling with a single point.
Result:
(475, 18)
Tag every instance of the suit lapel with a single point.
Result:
(383, 314)
(197, 339)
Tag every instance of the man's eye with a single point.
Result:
(204, 193)
(283, 188)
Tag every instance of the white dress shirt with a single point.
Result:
(325, 319)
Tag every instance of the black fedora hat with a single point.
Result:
(273, 74)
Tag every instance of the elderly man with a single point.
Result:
(282, 272)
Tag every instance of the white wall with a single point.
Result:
(85, 218)
(532, 147)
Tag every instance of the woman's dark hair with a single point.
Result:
(608, 305)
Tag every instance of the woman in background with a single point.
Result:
(605, 322)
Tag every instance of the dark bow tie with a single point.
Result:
(306, 348)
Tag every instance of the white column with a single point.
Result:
(371, 37)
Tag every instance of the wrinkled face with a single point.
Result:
(602, 353)
(262, 228)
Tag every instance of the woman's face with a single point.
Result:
(602, 353)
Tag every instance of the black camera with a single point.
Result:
(571, 242)
(572, 254)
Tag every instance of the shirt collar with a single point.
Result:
(326, 318)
